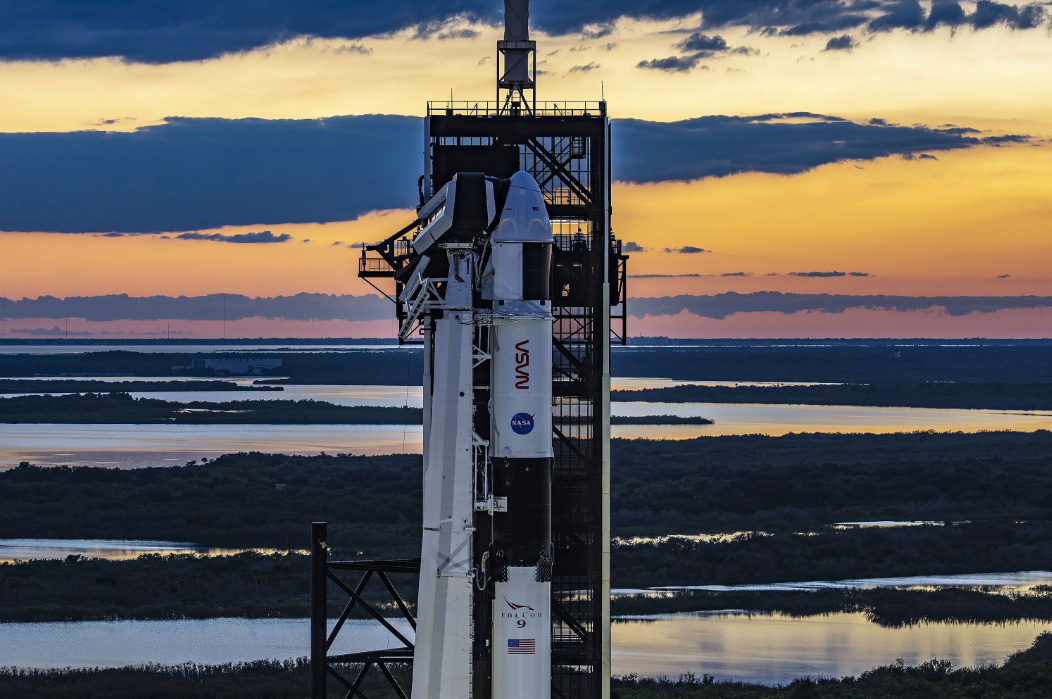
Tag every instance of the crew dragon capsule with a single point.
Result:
(479, 286)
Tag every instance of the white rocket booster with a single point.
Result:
(512, 297)
(521, 443)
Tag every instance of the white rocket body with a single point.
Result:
(516, 279)
(521, 440)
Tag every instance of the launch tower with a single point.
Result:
(564, 147)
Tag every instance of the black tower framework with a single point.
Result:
(565, 146)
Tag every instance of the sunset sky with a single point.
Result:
(818, 148)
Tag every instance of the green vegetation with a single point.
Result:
(832, 361)
(231, 501)
(885, 606)
(257, 585)
(87, 386)
(1025, 675)
(836, 555)
(990, 396)
(122, 409)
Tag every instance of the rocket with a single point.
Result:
(521, 442)
(479, 285)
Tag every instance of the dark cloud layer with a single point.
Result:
(210, 307)
(720, 306)
(721, 145)
(346, 307)
(160, 31)
(193, 174)
(255, 237)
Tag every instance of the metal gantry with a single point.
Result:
(565, 146)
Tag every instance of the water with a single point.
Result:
(764, 648)
(139, 446)
(83, 644)
(775, 420)
(776, 649)
(1018, 581)
(109, 549)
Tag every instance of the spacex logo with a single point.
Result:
(522, 423)
(522, 362)
(517, 607)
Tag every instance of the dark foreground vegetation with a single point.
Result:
(782, 492)
(257, 585)
(780, 360)
(711, 484)
(123, 409)
(889, 607)
(88, 386)
(1025, 675)
(990, 396)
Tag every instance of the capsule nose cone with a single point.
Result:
(525, 180)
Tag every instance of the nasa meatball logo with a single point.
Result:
(522, 423)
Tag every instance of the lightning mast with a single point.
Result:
(511, 278)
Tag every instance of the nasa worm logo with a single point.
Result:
(522, 423)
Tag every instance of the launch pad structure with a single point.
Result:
(565, 147)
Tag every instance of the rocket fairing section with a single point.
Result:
(480, 284)
(521, 443)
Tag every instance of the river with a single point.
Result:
(764, 648)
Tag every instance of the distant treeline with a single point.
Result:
(88, 386)
(829, 362)
(792, 483)
(835, 555)
(659, 420)
(123, 409)
(255, 585)
(1025, 675)
(992, 396)
(888, 607)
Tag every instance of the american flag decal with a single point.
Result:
(522, 646)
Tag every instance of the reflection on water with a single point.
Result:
(775, 420)
(776, 649)
(638, 383)
(109, 549)
(766, 648)
(139, 446)
(1015, 581)
(119, 643)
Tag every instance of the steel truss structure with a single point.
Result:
(565, 146)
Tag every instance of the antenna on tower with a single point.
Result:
(517, 61)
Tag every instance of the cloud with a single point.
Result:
(193, 174)
(196, 174)
(630, 246)
(164, 31)
(1003, 276)
(210, 307)
(587, 68)
(736, 274)
(257, 237)
(696, 48)
(672, 64)
(686, 250)
(720, 306)
(791, 143)
(818, 274)
(840, 43)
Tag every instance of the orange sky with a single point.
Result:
(955, 226)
